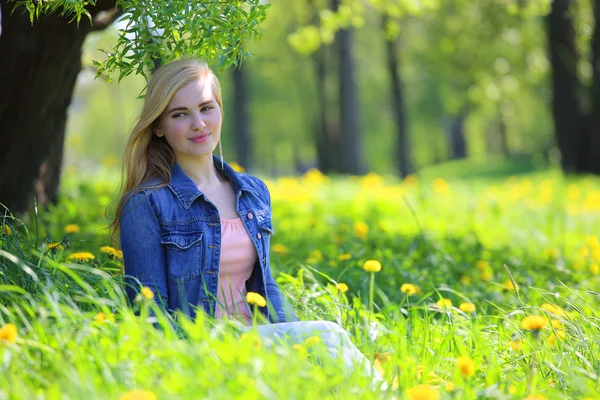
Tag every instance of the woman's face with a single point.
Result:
(191, 123)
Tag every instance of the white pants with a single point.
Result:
(334, 336)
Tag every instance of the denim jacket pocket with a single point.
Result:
(184, 251)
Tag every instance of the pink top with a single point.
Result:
(238, 257)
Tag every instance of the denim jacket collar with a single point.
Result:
(187, 191)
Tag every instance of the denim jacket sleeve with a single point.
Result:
(281, 306)
(143, 255)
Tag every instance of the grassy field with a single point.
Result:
(488, 289)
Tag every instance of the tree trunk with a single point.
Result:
(566, 109)
(39, 67)
(403, 153)
(243, 145)
(594, 131)
(350, 121)
(456, 135)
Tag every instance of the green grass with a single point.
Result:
(456, 239)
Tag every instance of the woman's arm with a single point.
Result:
(282, 307)
(143, 255)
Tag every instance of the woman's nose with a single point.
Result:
(198, 122)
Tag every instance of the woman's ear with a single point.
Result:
(158, 132)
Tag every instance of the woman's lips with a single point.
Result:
(199, 138)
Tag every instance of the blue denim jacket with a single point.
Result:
(171, 242)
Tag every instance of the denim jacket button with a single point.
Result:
(258, 235)
(250, 216)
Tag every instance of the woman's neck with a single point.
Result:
(201, 170)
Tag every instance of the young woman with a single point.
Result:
(192, 229)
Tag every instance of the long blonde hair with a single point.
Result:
(147, 156)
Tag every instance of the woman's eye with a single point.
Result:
(178, 115)
(207, 108)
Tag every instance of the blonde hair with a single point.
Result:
(147, 156)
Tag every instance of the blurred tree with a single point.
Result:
(41, 45)
(575, 104)
(241, 118)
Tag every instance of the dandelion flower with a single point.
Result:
(556, 324)
(342, 287)
(255, 299)
(147, 293)
(423, 392)
(535, 397)
(533, 323)
(449, 386)
(466, 366)
(112, 252)
(72, 228)
(313, 340)
(443, 303)
(138, 395)
(102, 317)
(9, 333)
(344, 257)
(279, 248)
(516, 345)
(559, 336)
(236, 167)
(410, 289)
(361, 230)
(467, 307)
(8, 231)
(482, 265)
(83, 256)
(54, 246)
(553, 309)
(508, 285)
(372, 266)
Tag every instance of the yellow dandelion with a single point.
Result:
(9, 333)
(583, 252)
(512, 389)
(487, 275)
(423, 392)
(314, 256)
(372, 266)
(138, 395)
(592, 241)
(508, 285)
(8, 231)
(313, 340)
(54, 246)
(410, 289)
(342, 287)
(466, 366)
(556, 324)
(236, 167)
(444, 303)
(558, 336)
(255, 299)
(410, 180)
(72, 228)
(465, 280)
(553, 309)
(595, 269)
(440, 186)
(516, 345)
(83, 256)
(112, 252)
(467, 307)
(147, 293)
(102, 317)
(344, 257)
(535, 397)
(449, 386)
(280, 249)
(482, 265)
(533, 323)
(361, 230)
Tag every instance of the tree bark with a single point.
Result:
(566, 108)
(243, 144)
(352, 161)
(39, 67)
(403, 153)
(594, 132)
(456, 136)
